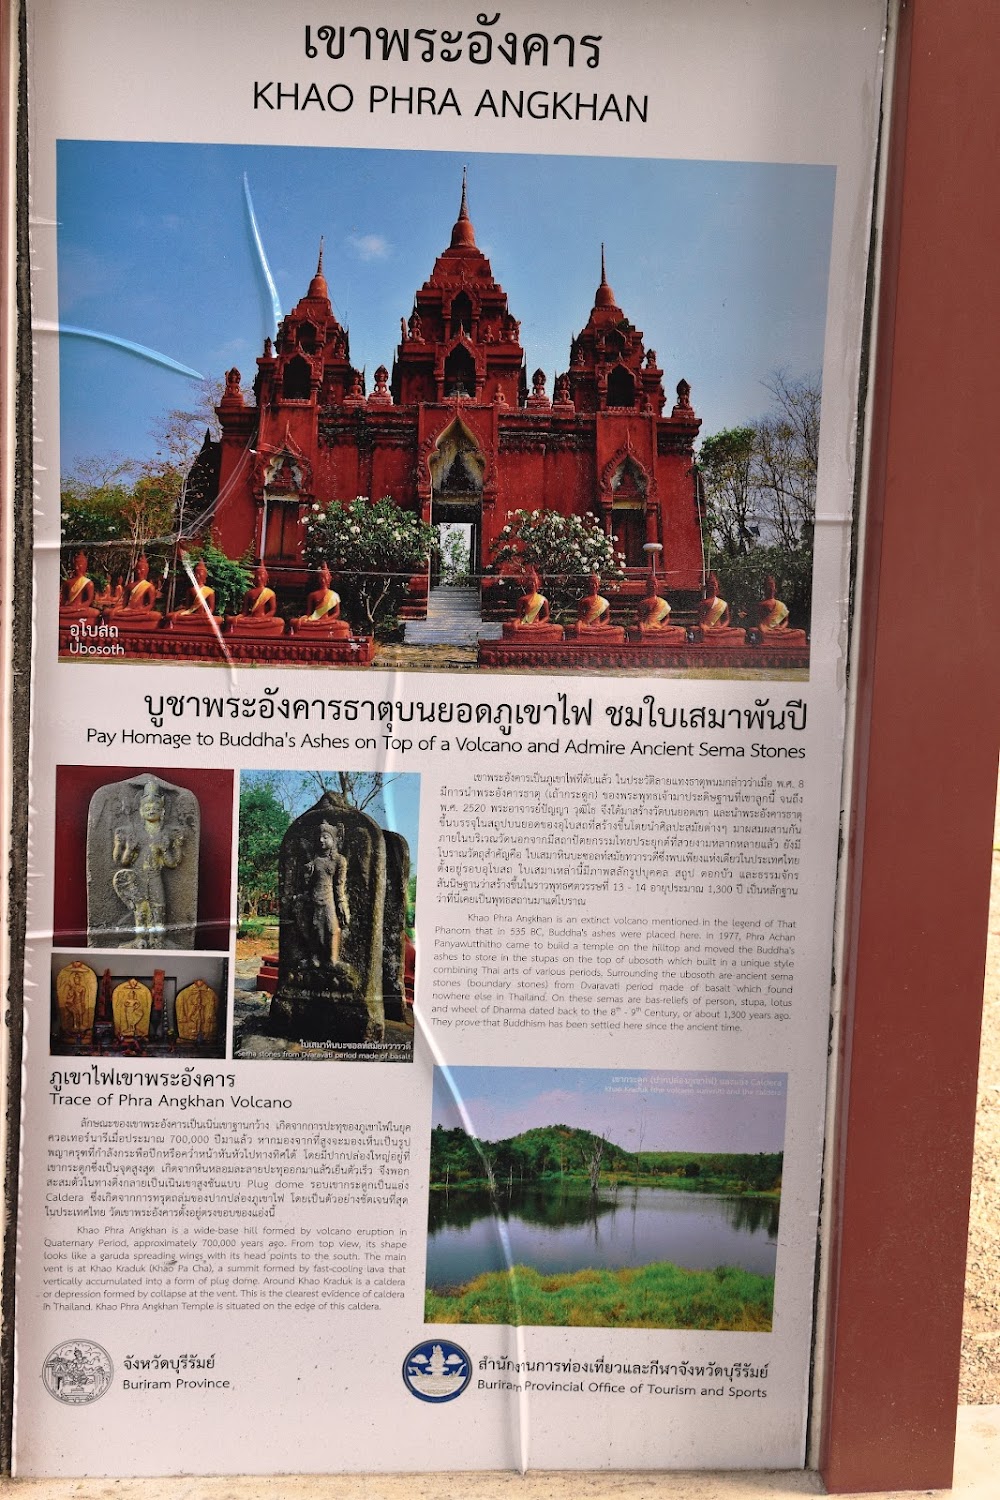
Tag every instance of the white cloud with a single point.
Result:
(369, 246)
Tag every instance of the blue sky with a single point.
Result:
(672, 1111)
(398, 808)
(723, 265)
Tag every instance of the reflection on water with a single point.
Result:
(564, 1227)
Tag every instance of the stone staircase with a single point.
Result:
(454, 618)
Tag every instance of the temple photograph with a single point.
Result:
(326, 932)
(382, 409)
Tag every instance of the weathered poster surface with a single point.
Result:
(446, 451)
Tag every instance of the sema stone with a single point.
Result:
(143, 837)
(332, 890)
(76, 998)
(131, 1004)
(197, 1012)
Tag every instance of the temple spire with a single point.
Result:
(463, 235)
(318, 286)
(605, 296)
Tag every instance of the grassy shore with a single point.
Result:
(661, 1295)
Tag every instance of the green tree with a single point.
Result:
(759, 512)
(374, 548)
(726, 464)
(456, 555)
(94, 496)
(759, 481)
(787, 458)
(118, 510)
(263, 822)
(147, 515)
(742, 578)
(228, 577)
(93, 525)
(564, 549)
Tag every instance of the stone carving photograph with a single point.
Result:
(628, 1199)
(143, 839)
(611, 466)
(115, 1004)
(326, 889)
(143, 858)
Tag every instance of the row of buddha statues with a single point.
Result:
(713, 624)
(132, 607)
(98, 1015)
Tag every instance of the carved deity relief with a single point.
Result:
(131, 1004)
(197, 1010)
(322, 909)
(76, 998)
(142, 865)
(333, 913)
(145, 847)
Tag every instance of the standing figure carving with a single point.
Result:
(332, 882)
(322, 910)
(196, 1009)
(145, 847)
(76, 997)
(131, 1004)
(142, 865)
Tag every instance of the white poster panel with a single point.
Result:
(446, 439)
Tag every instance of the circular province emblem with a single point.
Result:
(437, 1371)
(77, 1372)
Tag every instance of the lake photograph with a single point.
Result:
(593, 1198)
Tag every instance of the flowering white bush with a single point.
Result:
(564, 549)
(372, 548)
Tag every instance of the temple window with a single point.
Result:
(621, 387)
(461, 314)
(460, 373)
(308, 336)
(297, 380)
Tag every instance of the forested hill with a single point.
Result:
(554, 1151)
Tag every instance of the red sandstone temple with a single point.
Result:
(455, 434)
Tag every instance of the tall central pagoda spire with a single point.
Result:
(463, 235)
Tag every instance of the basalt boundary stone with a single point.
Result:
(332, 926)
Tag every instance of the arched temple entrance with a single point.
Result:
(628, 511)
(457, 466)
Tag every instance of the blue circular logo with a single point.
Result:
(437, 1371)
